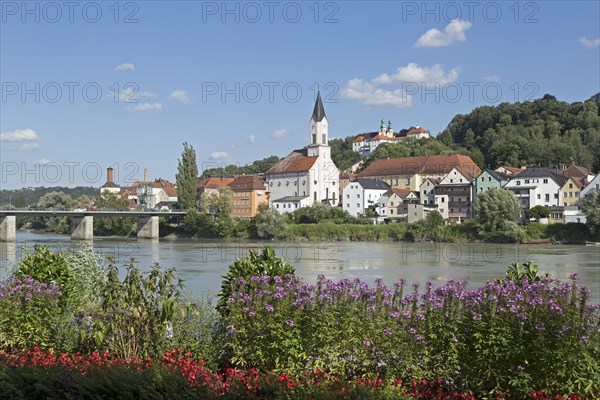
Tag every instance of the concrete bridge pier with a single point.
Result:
(147, 227)
(8, 228)
(82, 228)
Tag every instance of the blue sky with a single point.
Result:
(98, 84)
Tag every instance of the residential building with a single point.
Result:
(581, 173)
(361, 194)
(393, 204)
(537, 186)
(290, 203)
(411, 172)
(249, 191)
(207, 186)
(455, 190)
(156, 194)
(508, 170)
(573, 214)
(593, 185)
(308, 172)
(417, 133)
(488, 179)
(417, 211)
(570, 192)
(345, 178)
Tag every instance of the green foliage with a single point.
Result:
(318, 212)
(257, 167)
(119, 226)
(517, 273)
(268, 223)
(46, 266)
(187, 178)
(138, 312)
(30, 196)
(89, 275)
(431, 227)
(544, 131)
(342, 154)
(591, 208)
(538, 212)
(495, 208)
(265, 263)
(29, 313)
(54, 200)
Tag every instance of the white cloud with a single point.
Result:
(279, 133)
(413, 73)
(43, 161)
(492, 78)
(453, 32)
(585, 42)
(219, 155)
(372, 96)
(18, 135)
(180, 96)
(28, 146)
(125, 67)
(252, 139)
(131, 95)
(147, 107)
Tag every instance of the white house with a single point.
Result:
(536, 186)
(593, 185)
(361, 194)
(308, 173)
(290, 203)
(157, 194)
(393, 203)
(455, 189)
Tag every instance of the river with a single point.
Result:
(200, 263)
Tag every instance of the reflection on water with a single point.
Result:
(202, 262)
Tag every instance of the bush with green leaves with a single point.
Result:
(46, 266)
(538, 212)
(264, 264)
(138, 313)
(29, 313)
(268, 223)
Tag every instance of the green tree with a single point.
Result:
(538, 212)
(268, 222)
(591, 208)
(54, 200)
(121, 226)
(494, 208)
(187, 178)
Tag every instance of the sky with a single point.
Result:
(90, 85)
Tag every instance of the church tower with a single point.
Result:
(319, 137)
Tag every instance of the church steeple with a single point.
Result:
(318, 112)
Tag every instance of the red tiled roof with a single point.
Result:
(359, 139)
(416, 131)
(512, 170)
(294, 162)
(441, 164)
(170, 191)
(576, 172)
(247, 182)
(402, 193)
(214, 182)
(347, 175)
(161, 184)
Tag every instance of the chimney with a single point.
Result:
(109, 174)
(145, 174)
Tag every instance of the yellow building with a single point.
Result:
(411, 172)
(249, 191)
(570, 192)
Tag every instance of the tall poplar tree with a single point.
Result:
(187, 178)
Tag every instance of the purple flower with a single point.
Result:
(394, 314)
(388, 333)
(574, 277)
(539, 327)
(584, 339)
(252, 314)
(269, 308)
(289, 323)
(520, 367)
(366, 342)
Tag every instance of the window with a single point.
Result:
(424, 191)
(570, 186)
(565, 195)
(555, 195)
(358, 205)
(314, 137)
(545, 180)
(452, 210)
(277, 205)
(391, 211)
(489, 179)
(443, 199)
(424, 201)
(358, 195)
(347, 196)
(518, 183)
(547, 197)
(347, 205)
(526, 180)
(539, 196)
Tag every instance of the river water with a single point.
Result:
(200, 263)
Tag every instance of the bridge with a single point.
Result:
(82, 222)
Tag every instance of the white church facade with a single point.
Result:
(309, 175)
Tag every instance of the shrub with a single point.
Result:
(265, 264)
(28, 313)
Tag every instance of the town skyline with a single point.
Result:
(125, 95)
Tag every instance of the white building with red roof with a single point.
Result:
(366, 143)
(308, 175)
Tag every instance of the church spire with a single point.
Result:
(318, 112)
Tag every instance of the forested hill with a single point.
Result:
(546, 132)
(30, 196)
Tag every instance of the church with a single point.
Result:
(309, 175)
